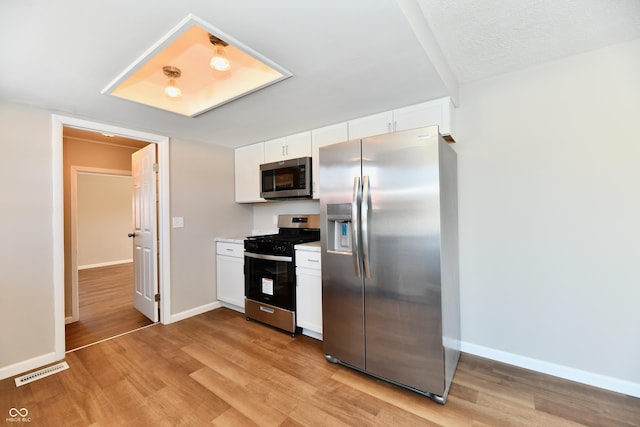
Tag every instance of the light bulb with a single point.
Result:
(219, 61)
(172, 90)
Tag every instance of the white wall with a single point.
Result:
(104, 219)
(264, 213)
(202, 192)
(549, 164)
(26, 237)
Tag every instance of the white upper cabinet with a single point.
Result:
(375, 124)
(288, 147)
(327, 135)
(247, 172)
(438, 112)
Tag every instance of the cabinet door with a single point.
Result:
(319, 138)
(436, 112)
(247, 172)
(230, 277)
(288, 147)
(309, 299)
(375, 124)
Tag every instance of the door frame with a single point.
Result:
(73, 218)
(164, 230)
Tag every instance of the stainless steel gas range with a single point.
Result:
(270, 272)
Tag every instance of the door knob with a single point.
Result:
(131, 235)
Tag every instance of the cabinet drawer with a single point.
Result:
(307, 259)
(230, 249)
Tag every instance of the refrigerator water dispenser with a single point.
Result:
(339, 228)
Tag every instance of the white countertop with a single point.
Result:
(239, 240)
(311, 246)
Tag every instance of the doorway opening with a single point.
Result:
(101, 265)
(61, 253)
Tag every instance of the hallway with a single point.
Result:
(106, 306)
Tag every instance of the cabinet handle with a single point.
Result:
(229, 250)
(389, 127)
(283, 151)
(312, 260)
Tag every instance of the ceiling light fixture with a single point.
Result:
(219, 60)
(171, 89)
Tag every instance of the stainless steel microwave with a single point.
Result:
(287, 179)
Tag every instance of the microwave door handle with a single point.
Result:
(366, 206)
(355, 226)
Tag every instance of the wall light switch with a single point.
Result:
(177, 222)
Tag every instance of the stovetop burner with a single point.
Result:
(294, 229)
(310, 236)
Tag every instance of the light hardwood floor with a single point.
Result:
(219, 369)
(106, 306)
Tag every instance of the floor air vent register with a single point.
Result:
(45, 372)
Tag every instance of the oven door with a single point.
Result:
(270, 279)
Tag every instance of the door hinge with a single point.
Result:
(156, 168)
(156, 297)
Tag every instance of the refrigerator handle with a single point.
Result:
(355, 223)
(366, 203)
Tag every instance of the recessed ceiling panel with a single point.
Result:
(188, 48)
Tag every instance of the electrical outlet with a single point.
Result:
(177, 222)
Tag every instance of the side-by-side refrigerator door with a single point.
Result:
(401, 245)
(342, 298)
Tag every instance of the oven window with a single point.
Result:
(270, 282)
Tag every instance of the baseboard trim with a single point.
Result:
(105, 264)
(597, 380)
(312, 334)
(232, 306)
(193, 312)
(28, 365)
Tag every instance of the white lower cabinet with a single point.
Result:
(230, 274)
(309, 293)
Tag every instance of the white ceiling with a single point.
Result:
(483, 38)
(349, 58)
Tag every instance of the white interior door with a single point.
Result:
(145, 240)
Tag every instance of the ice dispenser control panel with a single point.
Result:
(339, 228)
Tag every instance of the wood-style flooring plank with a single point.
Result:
(105, 304)
(241, 398)
(218, 369)
(233, 418)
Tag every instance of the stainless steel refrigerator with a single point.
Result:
(389, 242)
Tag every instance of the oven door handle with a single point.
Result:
(269, 257)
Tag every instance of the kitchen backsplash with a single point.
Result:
(264, 213)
